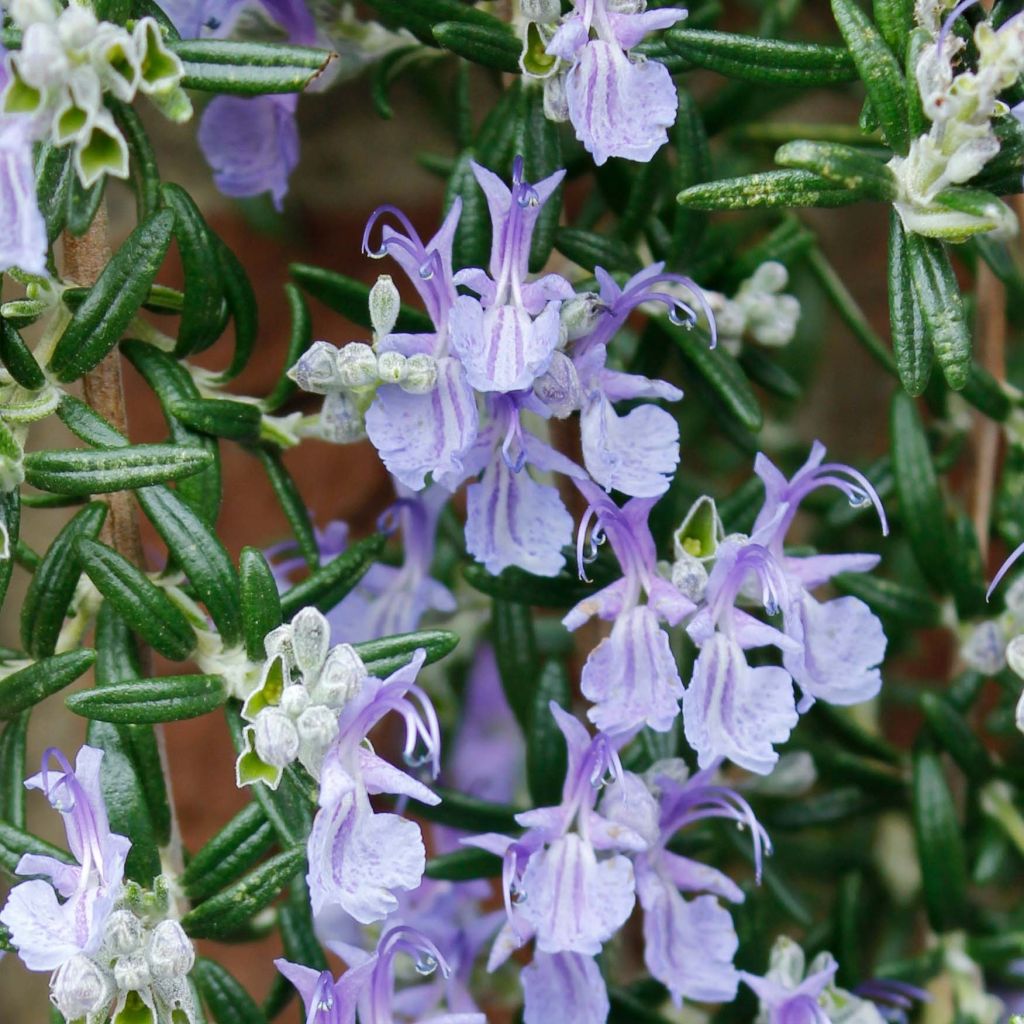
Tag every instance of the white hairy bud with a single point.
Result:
(311, 639)
(294, 700)
(543, 12)
(985, 648)
(317, 727)
(357, 365)
(342, 676)
(81, 987)
(317, 370)
(690, 577)
(341, 422)
(580, 315)
(559, 388)
(420, 376)
(131, 973)
(170, 953)
(385, 303)
(123, 933)
(391, 367)
(275, 738)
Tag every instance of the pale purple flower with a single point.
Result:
(366, 991)
(506, 338)
(417, 435)
(359, 858)
(840, 642)
(689, 943)
(56, 917)
(23, 241)
(618, 105)
(631, 676)
(557, 888)
(511, 519)
(796, 1004)
(563, 987)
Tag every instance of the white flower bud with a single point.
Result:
(985, 648)
(81, 987)
(559, 388)
(391, 367)
(385, 303)
(317, 370)
(294, 700)
(317, 726)
(357, 365)
(123, 932)
(581, 314)
(770, 276)
(690, 577)
(275, 738)
(420, 375)
(41, 61)
(556, 103)
(170, 952)
(341, 422)
(1015, 655)
(341, 678)
(77, 26)
(311, 639)
(543, 12)
(131, 973)
(28, 12)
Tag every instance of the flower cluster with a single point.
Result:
(759, 310)
(961, 106)
(107, 943)
(507, 353)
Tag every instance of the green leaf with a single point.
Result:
(546, 756)
(771, 61)
(911, 343)
(298, 936)
(241, 302)
(261, 603)
(351, 299)
(464, 866)
(879, 71)
(201, 314)
(15, 842)
(767, 190)
(244, 68)
(101, 319)
(382, 657)
(225, 998)
(721, 372)
(894, 19)
(144, 170)
(79, 471)
(232, 907)
(10, 519)
(515, 647)
(54, 171)
(18, 360)
(292, 503)
(848, 166)
(495, 142)
(965, 571)
(200, 554)
(27, 687)
(299, 340)
(13, 770)
(221, 417)
(942, 311)
(956, 736)
(147, 701)
(473, 234)
(88, 425)
(539, 142)
(325, 587)
(921, 505)
(53, 583)
(83, 203)
(762, 369)
(940, 848)
(890, 599)
(591, 250)
(232, 851)
(139, 601)
(420, 16)
(492, 45)
(388, 69)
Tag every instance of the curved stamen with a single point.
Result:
(645, 292)
(405, 223)
(1004, 569)
(859, 490)
(581, 540)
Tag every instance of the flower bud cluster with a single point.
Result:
(68, 62)
(961, 106)
(294, 712)
(144, 958)
(758, 310)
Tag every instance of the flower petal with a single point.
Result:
(566, 987)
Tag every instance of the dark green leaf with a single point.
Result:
(143, 165)
(890, 599)
(147, 701)
(894, 19)
(232, 907)
(848, 166)
(54, 171)
(18, 360)
(139, 601)
(420, 16)
(767, 189)
(88, 425)
(246, 68)
(546, 756)
(53, 583)
(515, 647)
(325, 587)
(232, 851)
(101, 319)
(954, 733)
(517, 585)
(81, 471)
(292, 503)
(241, 302)
(911, 343)
(492, 45)
(27, 687)
(298, 341)
(473, 234)
(13, 770)
(83, 204)
(539, 143)
(261, 603)
(465, 812)
(200, 554)
(221, 417)
(464, 865)
(10, 517)
(227, 1000)
(591, 250)
(382, 657)
(14, 842)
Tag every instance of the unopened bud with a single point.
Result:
(317, 370)
(294, 700)
(770, 276)
(317, 727)
(420, 376)
(559, 387)
(556, 102)
(1015, 655)
(341, 422)
(275, 738)
(580, 315)
(80, 988)
(131, 973)
(357, 365)
(311, 639)
(544, 12)
(690, 577)
(341, 678)
(391, 367)
(123, 933)
(385, 303)
(170, 952)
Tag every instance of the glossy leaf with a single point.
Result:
(148, 701)
(27, 687)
